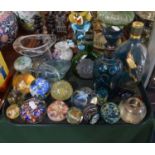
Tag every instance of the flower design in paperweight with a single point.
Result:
(110, 113)
(22, 82)
(13, 111)
(57, 111)
(62, 51)
(23, 64)
(40, 88)
(132, 110)
(90, 114)
(83, 96)
(61, 90)
(74, 116)
(33, 110)
(15, 97)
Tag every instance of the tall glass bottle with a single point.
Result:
(133, 53)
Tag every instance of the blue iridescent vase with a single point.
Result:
(112, 35)
(107, 71)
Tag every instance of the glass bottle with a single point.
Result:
(133, 53)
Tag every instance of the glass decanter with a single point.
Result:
(107, 71)
(133, 53)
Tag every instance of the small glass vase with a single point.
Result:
(107, 70)
(112, 35)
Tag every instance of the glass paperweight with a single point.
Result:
(62, 51)
(57, 111)
(23, 64)
(22, 82)
(106, 72)
(83, 63)
(33, 111)
(15, 97)
(62, 67)
(91, 114)
(13, 111)
(110, 113)
(74, 116)
(61, 90)
(83, 96)
(35, 45)
(132, 110)
(40, 88)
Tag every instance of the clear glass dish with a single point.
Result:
(34, 45)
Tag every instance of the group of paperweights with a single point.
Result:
(44, 84)
(34, 87)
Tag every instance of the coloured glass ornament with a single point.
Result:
(33, 111)
(57, 111)
(13, 111)
(107, 71)
(22, 82)
(8, 27)
(23, 64)
(62, 51)
(132, 110)
(90, 114)
(110, 113)
(74, 116)
(15, 97)
(82, 97)
(80, 23)
(61, 90)
(40, 88)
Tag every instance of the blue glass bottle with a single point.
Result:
(133, 53)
